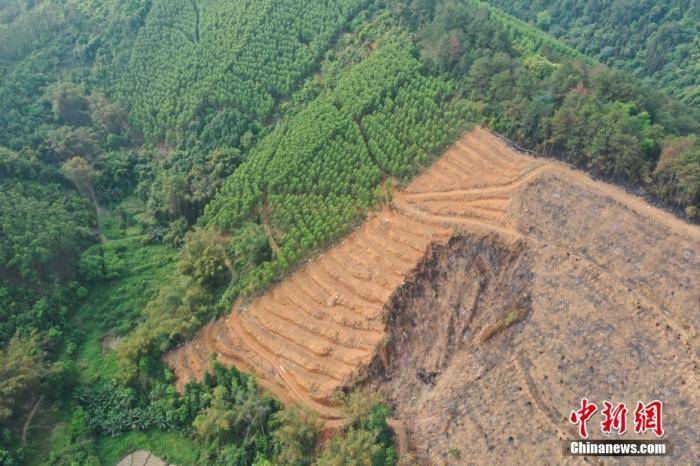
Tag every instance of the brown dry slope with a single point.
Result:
(512, 287)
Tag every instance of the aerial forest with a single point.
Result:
(161, 159)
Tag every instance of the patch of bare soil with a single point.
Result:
(449, 325)
(141, 458)
(110, 341)
(613, 303)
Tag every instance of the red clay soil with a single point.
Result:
(496, 291)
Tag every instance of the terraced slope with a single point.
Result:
(316, 332)
(485, 301)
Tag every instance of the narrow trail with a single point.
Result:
(401, 438)
(28, 422)
(370, 152)
(455, 221)
(196, 22)
(482, 193)
(548, 411)
(266, 223)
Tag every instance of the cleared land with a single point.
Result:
(492, 294)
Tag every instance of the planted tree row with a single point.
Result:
(194, 58)
(318, 174)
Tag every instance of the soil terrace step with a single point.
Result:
(327, 329)
(376, 250)
(461, 210)
(374, 265)
(397, 248)
(351, 266)
(318, 345)
(365, 289)
(339, 292)
(364, 292)
(283, 348)
(344, 317)
(401, 236)
(310, 378)
(494, 152)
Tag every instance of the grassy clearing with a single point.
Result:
(114, 306)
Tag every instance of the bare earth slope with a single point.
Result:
(507, 288)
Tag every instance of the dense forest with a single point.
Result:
(658, 41)
(543, 97)
(160, 159)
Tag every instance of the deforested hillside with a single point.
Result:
(441, 299)
(315, 176)
(318, 331)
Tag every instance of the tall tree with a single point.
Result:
(83, 176)
(70, 104)
(21, 369)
